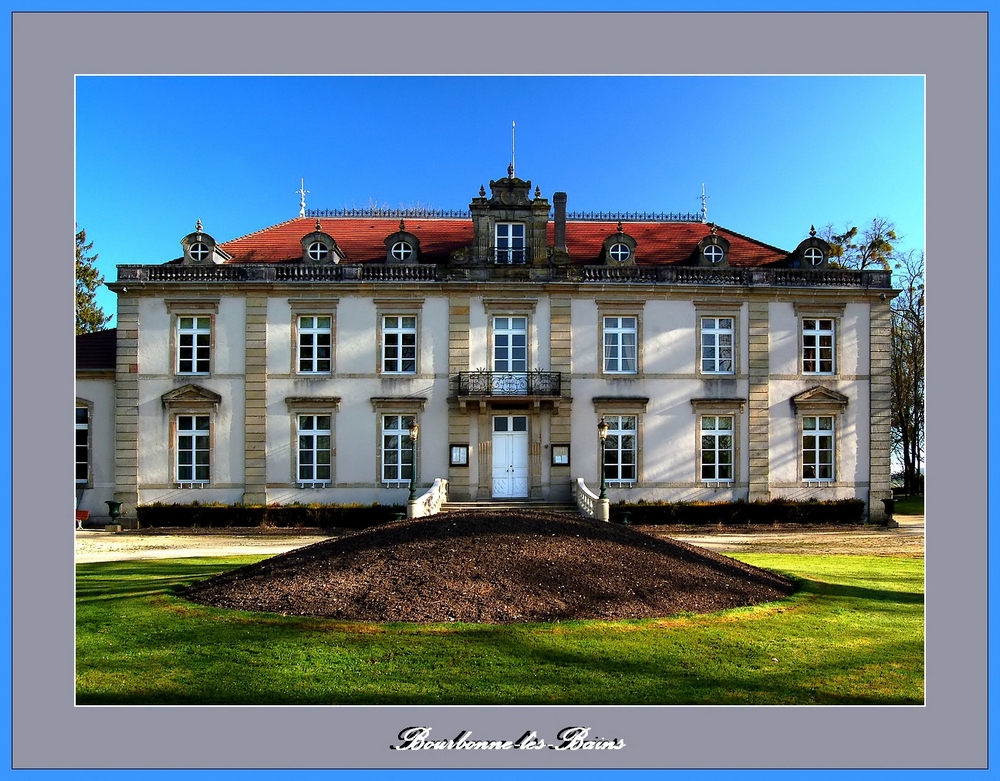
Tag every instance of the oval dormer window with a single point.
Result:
(714, 253)
(199, 251)
(619, 252)
(813, 256)
(318, 251)
(402, 250)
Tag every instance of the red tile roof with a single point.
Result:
(96, 350)
(362, 239)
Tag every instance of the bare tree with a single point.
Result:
(907, 381)
(875, 247)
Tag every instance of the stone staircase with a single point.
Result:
(568, 508)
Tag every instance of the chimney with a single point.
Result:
(559, 201)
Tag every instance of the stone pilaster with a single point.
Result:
(758, 447)
(255, 402)
(127, 408)
(880, 409)
(561, 331)
(459, 424)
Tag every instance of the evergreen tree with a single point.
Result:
(89, 316)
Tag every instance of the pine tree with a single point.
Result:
(89, 316)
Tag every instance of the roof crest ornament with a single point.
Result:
(704, 203)
(302, 198)
(510, 170)
(812, 231)
(197, 226)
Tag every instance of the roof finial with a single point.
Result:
(318, 226)
(302, 198)
(704, 203)
(402, 225)
(812, 230)
(197, 226)
(511, 169)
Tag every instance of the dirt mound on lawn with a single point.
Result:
(498, 567)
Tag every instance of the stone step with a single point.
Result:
(554, 507)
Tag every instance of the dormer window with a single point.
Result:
(620, 252)
(713, 250)
(510, 246)
(811, 253)
(402, 250)
(199, 251)
(319, 247)
(318, 251)
(813, 256)
(619, 248)
(199, 247)
(714, 254)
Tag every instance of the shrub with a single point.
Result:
(741, 513)
(288, 516)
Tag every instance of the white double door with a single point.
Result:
(510, 456)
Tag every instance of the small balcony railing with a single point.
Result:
(486, 383)
(510, 256)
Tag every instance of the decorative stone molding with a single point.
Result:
(191, 397)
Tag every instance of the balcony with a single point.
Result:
(488, 388)
(510, 256)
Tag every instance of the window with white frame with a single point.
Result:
(717, 448)
(194, 344)
(620, 345)
(818, 447)
(315, 449)
(818, 345)
(399, 344)
(621, 449)
(402, 250)
(717, 345)
(82, 446)
(510, 245)
(620, 252)
(315, 344)
(318, 251)
(510, 344)
(397, 449)
(193, 449)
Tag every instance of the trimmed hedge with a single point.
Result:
(741, 513)
(290, 516)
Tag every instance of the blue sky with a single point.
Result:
(776, 154)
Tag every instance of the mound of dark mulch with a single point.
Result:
(497, 567)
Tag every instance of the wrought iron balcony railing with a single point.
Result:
(510, 256)
(487, 383)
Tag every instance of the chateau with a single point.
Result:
(289, 365)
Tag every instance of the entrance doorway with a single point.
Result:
(510, 457)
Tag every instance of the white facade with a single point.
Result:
(738, 382)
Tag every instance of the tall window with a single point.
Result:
(620, 339)
(194, 344)
(82, 445)
(817, 447)
(397, 449)
(193, 449)
(717, 448)
(817, 345)
(510, 247)
(315, 344)
(510, 344)
(620, 449)
(717, 335)
(315, 449)
(399, 344)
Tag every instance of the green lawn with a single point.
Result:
(852, 634)
(909, 505)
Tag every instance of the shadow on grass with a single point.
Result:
(771, 657)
